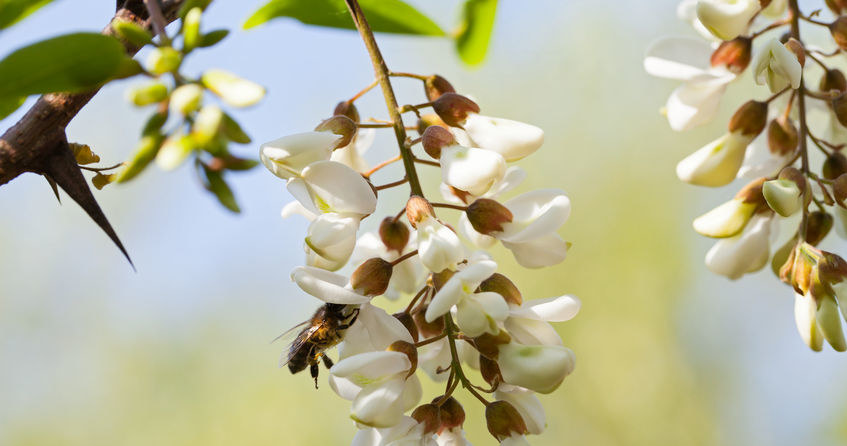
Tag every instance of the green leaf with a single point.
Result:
(132, 32)
(233, 131)
(216, 184)
(146, 151)
(69, 63)
(212, 37)
(475, 33)
(387, 16)
(9, 105)
(13, 11)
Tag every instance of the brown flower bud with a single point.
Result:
(487, 216)
(427, 120)
(836, 6)
(750, 119)
(501, 285)
(798, 269)
(733, 54)
(794, 174)
(418, 209)
(503, 420)
(490, 371)
(838, 29)
(409, 322)
(341, 126)
(452, 414)
(394, 234)
(407, 349)
(435, 86)
(796, 47)
(839, 107)
(371, 277)
(764, 3)
(818, 225)
(839, 189)
(347, 109)
(488, 345)
(429, 415)
(752, 192)
(439, 279)
(833, 79)
(782, 136)
(434, 139)
(834, 166)
(428, 329)
(453, 108)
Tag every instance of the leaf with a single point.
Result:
(13, 11)
(216, 184)
(475, 33)
(233, 131)
(146, 151)
(212, 37)
(68, 63)
(9, 105)
(387, 16)
(133, 33)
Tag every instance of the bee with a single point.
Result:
(323, 331)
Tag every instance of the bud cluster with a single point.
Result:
(461, 313)
(771, 143)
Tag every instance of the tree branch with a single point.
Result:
(38, 142)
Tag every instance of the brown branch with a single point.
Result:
(38, 143)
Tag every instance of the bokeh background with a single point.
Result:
(92, 353)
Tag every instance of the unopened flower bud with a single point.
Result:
(777, 67)
(734, 54)
(503, 420)
(782, 136)
(490, 371)
(407, 349)
(347, 109)
(838, 29)
(834, 166)
(839, 189)
(828, 318)
(839, 107)
(435, 86)
(339, 125)
(394, 234)
(488, 216)
(435, 138)
(836, 6)
(796, 47)
(428, 329)
(833, 79)
(428, 120)
(780, 257)
(207, 124)
(783, 196)
(750, 119)
(752, 192)
(232, 89)
(488, 345)
(540, 368)
(452, 414)
(731, 217)
(409, 322)
(147, 94)
(418, 209)
(163, 60)
(454, 108)
(818, 225)
(501, 285)
(428, 415)
(186, 98)
(371, 277)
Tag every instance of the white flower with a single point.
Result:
(515, 440)
(531, 235)
(407, 432)
(374, 330)
(407, 277)
(696, 101)
(351, 155)
(526, 403)
(783, 196)
(686, 11)
(727, 19)
(435, 356)
(776, 66)
(529, 323)
(759, 161)
(540, 368)
(329, 186)
(744, 253)
(330, 240)
(439, 247)
(452, 437)
(476, 313)
(725, 220)
(804, 316)
(286, 157)
(470, 169)
(511, 139)
(327, 286)
(717, 163)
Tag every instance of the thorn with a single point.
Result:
(61, 167)
(54, 187)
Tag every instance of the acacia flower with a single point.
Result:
(727, 19)
(776, 66)
(329, 186)
(513, 140)
(745, 252)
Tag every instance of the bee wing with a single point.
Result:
(298, 342)
(288, 335)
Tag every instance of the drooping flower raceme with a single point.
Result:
(460, 313)
(802, 104)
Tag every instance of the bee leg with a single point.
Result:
(327, 362)
(353, 315)
(313, 369)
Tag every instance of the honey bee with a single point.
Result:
(323, 331)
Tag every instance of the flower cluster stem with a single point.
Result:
(795, 15)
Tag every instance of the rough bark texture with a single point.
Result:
(38, 143)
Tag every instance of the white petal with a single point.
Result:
(343, 387)
(295, 208)
(680, 58)
(540, 252)
(553, 309)
(450, 294)
(532, 332)
(695, 103)
(727, 19)
(527, 404)
(380, 405)
(535, 367)
(747, 252)
(535, 214)
(725, 220)
(287, 156)
(366, 368)
(511, 139)
(472, 170)
(804, 317)
(374, 330)
(715, 164)
(334, 187)
(325, 285)
(759, 161)
(439, 248)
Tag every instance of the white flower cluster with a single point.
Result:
(462, 314)
(766, 144)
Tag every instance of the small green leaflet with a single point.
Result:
(475, 33)
(216, 184)
(388, 16)
(9, 105)
(68, 63)
(13, 11)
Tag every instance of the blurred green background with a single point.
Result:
(179, 354)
